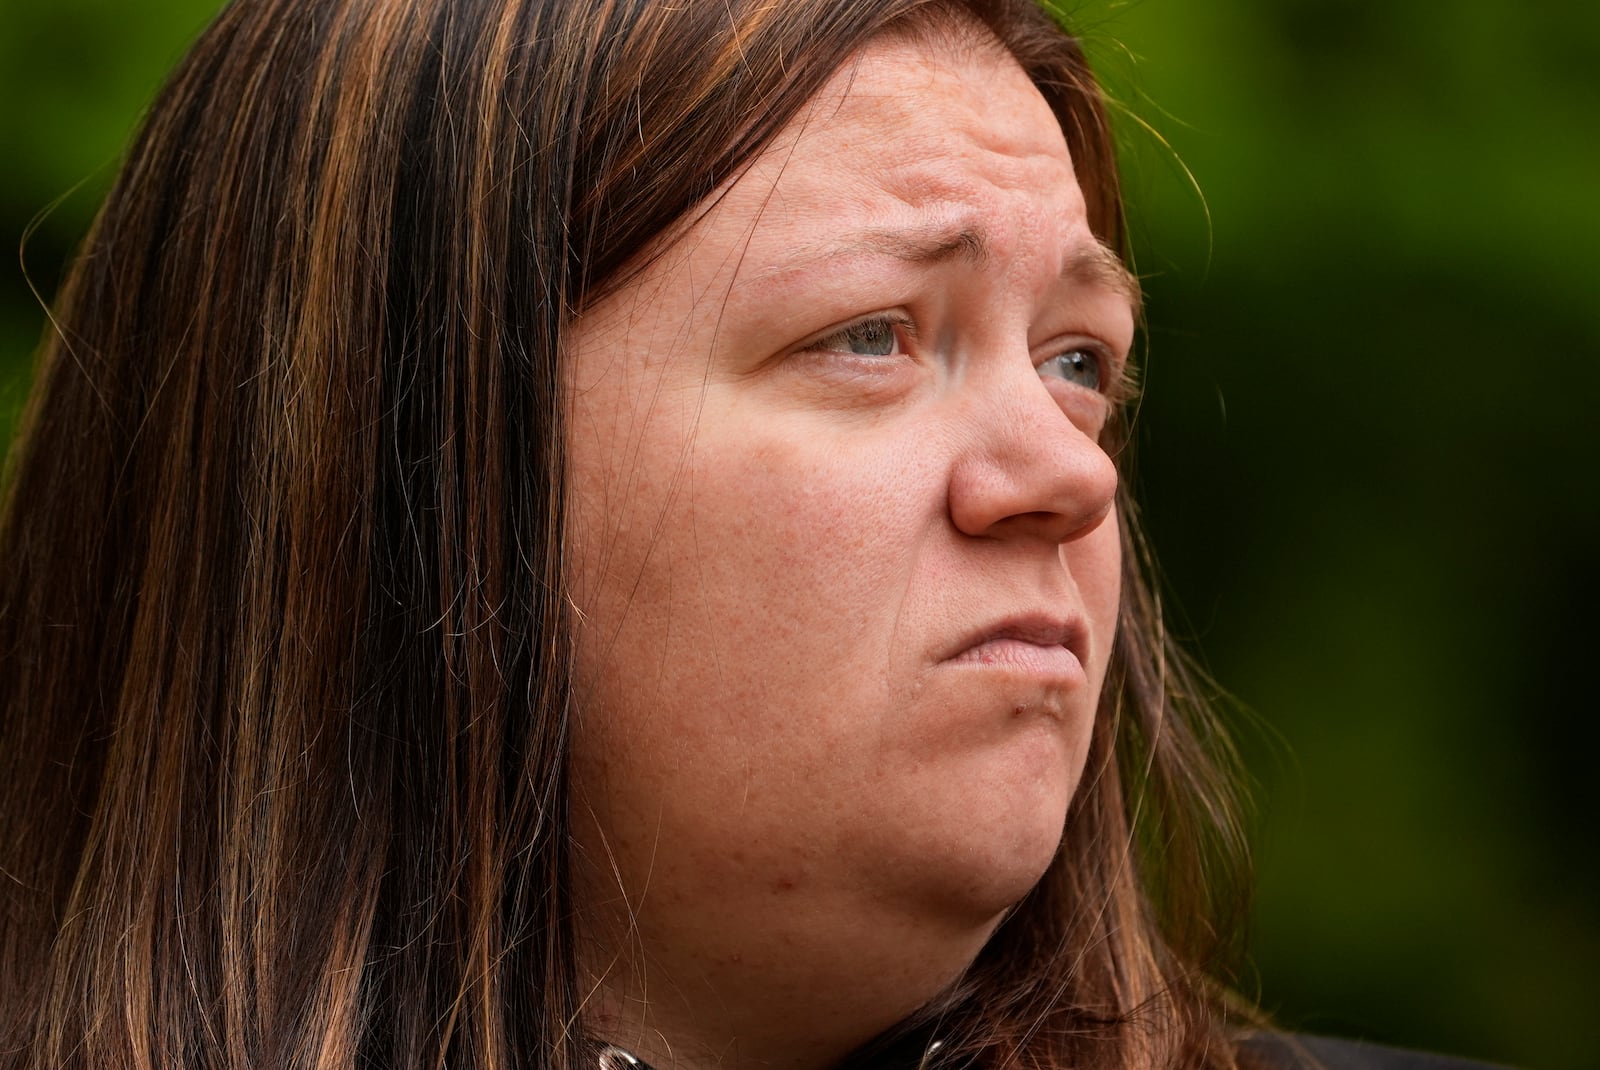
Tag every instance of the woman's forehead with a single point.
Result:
(933, 94)
(917, 149)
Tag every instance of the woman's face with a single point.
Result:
(845, 561)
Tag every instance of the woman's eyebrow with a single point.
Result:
(1093, 264)
(1097, 265)
(929, 244)
(925, 245)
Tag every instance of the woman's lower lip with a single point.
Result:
(1032, 658)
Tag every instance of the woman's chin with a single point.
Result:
(996, 878)
(989, 858)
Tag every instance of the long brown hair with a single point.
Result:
(284, 665)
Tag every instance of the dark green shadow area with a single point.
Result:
(1367, 453)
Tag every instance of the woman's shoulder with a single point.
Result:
(1286, 1051)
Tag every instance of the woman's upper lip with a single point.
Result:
(1040, 629)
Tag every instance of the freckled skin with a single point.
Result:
(793, 807)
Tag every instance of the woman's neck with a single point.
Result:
(786, 1004)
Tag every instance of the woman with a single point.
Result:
(565, 534)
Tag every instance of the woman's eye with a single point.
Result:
(1084, 367)
(869, 338)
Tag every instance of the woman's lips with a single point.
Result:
(1047, 660)
(1033, 642)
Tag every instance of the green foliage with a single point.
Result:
(1366, 451)
(75, 76)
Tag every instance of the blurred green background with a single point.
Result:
(1367, 449)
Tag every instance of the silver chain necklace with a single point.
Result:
(615, 1058)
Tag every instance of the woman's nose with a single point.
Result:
(1029, 471)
